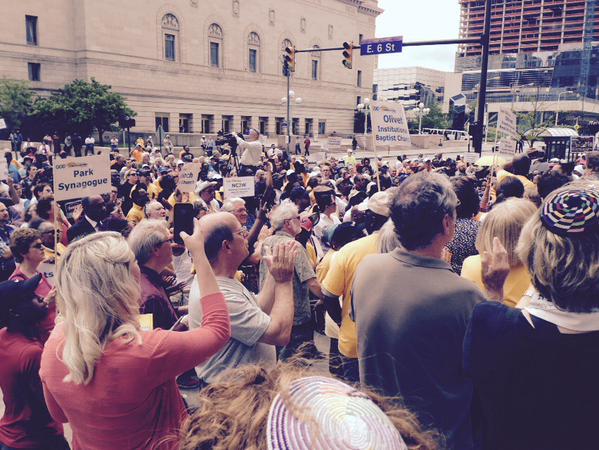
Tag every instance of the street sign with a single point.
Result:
(380, 46)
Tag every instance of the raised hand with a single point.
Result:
(280, 260)
(495, 269)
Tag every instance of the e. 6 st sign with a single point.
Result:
(380, 46)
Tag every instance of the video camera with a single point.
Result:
(231, 140)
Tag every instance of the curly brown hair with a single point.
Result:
(21, 240)
(233, 411)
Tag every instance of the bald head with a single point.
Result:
(218, 228)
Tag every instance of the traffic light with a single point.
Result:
(348, 54)
(289, 60)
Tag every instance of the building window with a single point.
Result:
(315, 63)
(185, 123)
(286, 43)
(308, 124)
(169, 47)
(279, 127)
(295, 126)
(253, 60)
(170, 34)
(359, 79)
(322, 128)
(246, 124)
(263, 125)
(34, 71)
(254, 46)
(226, 124)
(161, 120)
(360, 37)
(215, 39)
(358, 99)
(215, 54)
(31, 29)
(207, 120)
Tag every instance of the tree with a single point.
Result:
(15, 102)
(434, 119)
(83, 107)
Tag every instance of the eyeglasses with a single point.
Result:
(242, 232)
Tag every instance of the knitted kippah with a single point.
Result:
(324, 413)
(572, 212)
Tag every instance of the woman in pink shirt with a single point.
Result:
(114, 383)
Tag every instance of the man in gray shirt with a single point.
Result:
(285, 221)
(411, 312)
(258, 323)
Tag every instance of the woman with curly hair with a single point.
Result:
(288, 407)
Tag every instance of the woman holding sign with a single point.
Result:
(114, 383)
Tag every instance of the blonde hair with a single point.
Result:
(565, 270)
(505, 221)
(232, 412)
(98, 298)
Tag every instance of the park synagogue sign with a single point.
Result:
(389, 124)
(81, 177)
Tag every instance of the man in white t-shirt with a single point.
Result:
(250, 151)
(89, 145)
(258, 323)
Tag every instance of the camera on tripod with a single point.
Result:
(229, 139)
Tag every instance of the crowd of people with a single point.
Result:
(459, 302)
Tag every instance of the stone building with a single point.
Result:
(197, 66)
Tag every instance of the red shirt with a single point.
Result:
(133, 401)
(26, 422)
(42, 291)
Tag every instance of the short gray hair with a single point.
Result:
(150, 205)
(229, 205)
(145, 237)
(285, 211)
(418, 208)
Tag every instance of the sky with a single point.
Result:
(420, 20)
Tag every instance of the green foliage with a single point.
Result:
(15, 102)
(434, 119)
(81, 106)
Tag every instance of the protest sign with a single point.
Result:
(239, 187)
(81, 177)
(470, 157)
(334, 142)
(389, 124)
(2, 124)
(188, 177)
(3, 169)
(507, 128)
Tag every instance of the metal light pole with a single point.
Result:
(420, 109)
(287, 100)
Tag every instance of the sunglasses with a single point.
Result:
(37, 245)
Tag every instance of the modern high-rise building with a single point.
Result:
(519, 26)
(544, 57)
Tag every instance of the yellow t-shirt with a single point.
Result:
(516, 283)
(135, 215)
(339, 280)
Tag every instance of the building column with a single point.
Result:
(271, 128)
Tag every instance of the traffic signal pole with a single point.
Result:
(483, 41)
(288, 114)
(482, 92)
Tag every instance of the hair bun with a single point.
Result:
(571, 212)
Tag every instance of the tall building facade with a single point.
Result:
(197, 66)
(543, 56)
